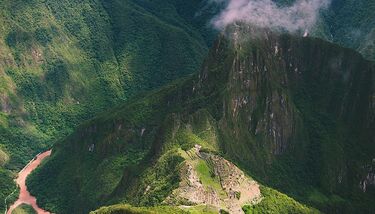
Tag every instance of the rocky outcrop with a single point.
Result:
(227, 187)
(288, 98)
(369, 178)
(292, 111)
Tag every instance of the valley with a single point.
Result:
(62, 62)
(150, 107)
(250, 104)
(24, 195)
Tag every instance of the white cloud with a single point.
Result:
(302, 15)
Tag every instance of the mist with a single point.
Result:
(302, 15)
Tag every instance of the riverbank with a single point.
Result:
(25, 197)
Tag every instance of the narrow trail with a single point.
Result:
(25, 197)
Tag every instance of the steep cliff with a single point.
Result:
(296, 114)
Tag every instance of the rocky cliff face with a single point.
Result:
(298, 100)
(297, 113)
(297, 104)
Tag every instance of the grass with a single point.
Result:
(127, 209)
(202, 209)
(207, 176)
(276, 202)
(24, 209)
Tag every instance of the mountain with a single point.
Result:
(352, 24)
(349, 23)
(295, 114)
(61, 62)
(65, 60)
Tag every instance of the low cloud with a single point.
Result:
(299, 16)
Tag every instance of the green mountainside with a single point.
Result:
(63, 61)
(351, 23)
(296, 114)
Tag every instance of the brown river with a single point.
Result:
(25, 197)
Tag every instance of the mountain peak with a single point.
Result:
(262, 104)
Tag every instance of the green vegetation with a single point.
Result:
(24, 209)
(127, 209)
(207, 176)
(64, 72)
(6, 185)
(4, 158)
(303, 103)
(156, 182)
(320, 200)
(13, 196)
(64, 61)
(276, 202)
(201, 209)
(350, 23)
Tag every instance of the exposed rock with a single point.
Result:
(3, 158)
(5, 104)
(37, 55)
(369, 179)
(233, 190)
(91, 147)
(143, 131)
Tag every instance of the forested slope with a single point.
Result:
(63, 61)
(296, 114)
